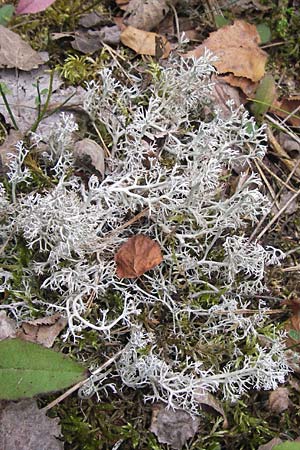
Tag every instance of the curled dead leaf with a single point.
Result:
(205, 398)
(42, 331)
(136, 256)
(145, 42)
(238, 51)
(90, 153)
(146, 15)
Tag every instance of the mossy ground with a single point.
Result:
(123, 416)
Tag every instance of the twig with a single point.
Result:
(272, 193)
(280, 212)
(284, 183)
(81, 383)
(283, 128)
(278, 194)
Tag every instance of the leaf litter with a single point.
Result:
(24, 426)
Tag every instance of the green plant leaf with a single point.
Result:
(6, 13)
(264, 97)
(221, 21)
(264, 33)
(295, 335)
(27, 369)
(287, 446)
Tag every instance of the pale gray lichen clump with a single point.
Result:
(163, 158)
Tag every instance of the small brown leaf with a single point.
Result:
(90, 153)
(279, 400)
(238, 51)
(42, 331)
(144, 42)
(173, 427)
(16, 53)
(205, 398)
(138, 255)
(146, 15)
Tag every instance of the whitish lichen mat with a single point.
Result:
(181, 327)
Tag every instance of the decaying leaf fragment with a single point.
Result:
(7, 327)
(42, 331)
(138, 255)
(173, 427)
(205, 398)
(145, 42)
(24, 426)
(16, 53)
(271, 444)
(89, 152)
(279, 400)
(145, 15)
(238, 51)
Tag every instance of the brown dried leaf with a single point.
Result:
(290, 107)
(138, 255)
(146, 15)
(269, 445)
(24, 426)
(42, 331)
(238, 51)
(279, 400)
(221, 93)
(16, 53)
(145, 43)
(205, 398)
(246, 85)
(90, 153)
(173, 427)
(7, 326)
(89, 42)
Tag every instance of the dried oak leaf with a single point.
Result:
(279, 400)
(146, 15)
(24, 426)
(16, 53)
(238, 51)
(42, 331)
(145, 42)
(173, 427)
(136, 256)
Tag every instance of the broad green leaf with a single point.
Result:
(27, 369)
(264, 97)
(287, 446)
(264, 33)
(295, 335)
(6, 13)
